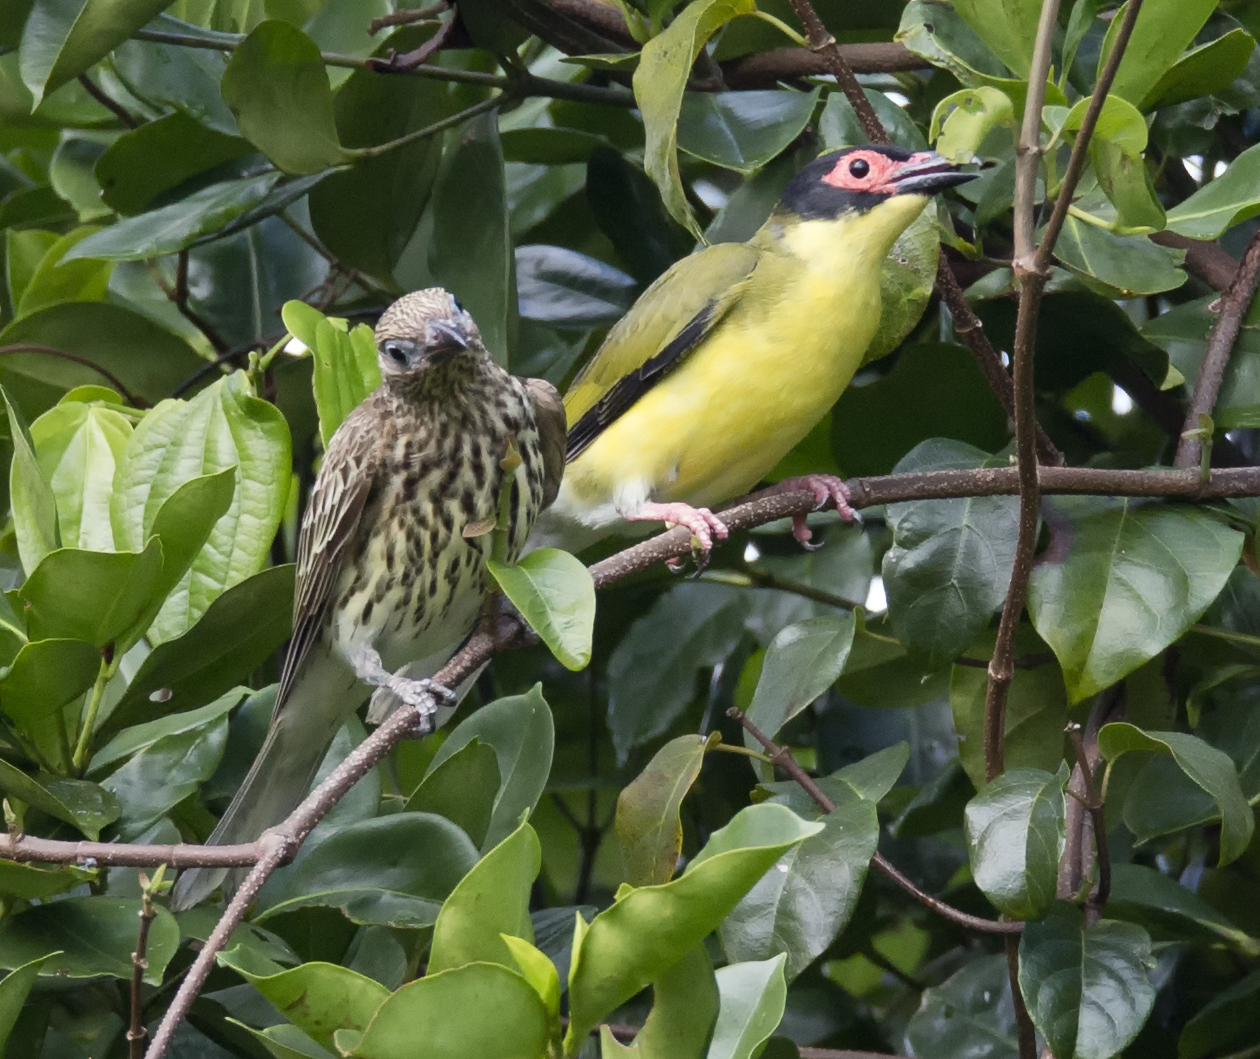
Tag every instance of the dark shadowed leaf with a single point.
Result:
(742, 130)
(570, 290)
(968, 1016)
(44, 677)
(463, 788)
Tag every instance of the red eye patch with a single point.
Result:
(863, 171)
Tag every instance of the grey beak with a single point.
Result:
(926, 173)
(447, 336)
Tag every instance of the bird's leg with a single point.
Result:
(703, 523)
(421, 694)
(824, 487)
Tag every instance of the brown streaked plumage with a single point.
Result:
(388, 584)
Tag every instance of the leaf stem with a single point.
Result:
(438, 126)
(108, 667)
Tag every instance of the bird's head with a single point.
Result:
(889, 181)
(424, 330)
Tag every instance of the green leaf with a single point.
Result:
(346, 368)
(1228, 199)
(1226, 1021)
(969, 1015)
(1164, 29)
(99, 597)
(490, 901)
(463, 788)
(521, 731)
(648, 930)
(203, 216)
(1117, 152)
(555, 594)
(685, 1004)
(142, 736)
(649, 821)
(1015, 834)
(1202, 71)
(950, 563)
(1130, 263)
(392, 870)
(78, 446)
(276, 86)
(34, 502)
(236, 635)
(57, 280)
(538, 971)
(963, 119)
(753, 999)
(13, 993)
(223, 426)
(1121, 581)
(742, 130)
(838, 125)
(76, 811)
(286, 1041)
(470, 253)
(96, 936)
(1160, 904)
(481, 1010)
(63, 38)
(319, 998)
(1086, 989)
(1211, 769)
(44, 677)
(570, 290)
(26, 882)
(937, 32)
(1009, 27)
(659, 82)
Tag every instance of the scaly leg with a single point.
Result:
(703, 523)
(421, 695)
(824, 487)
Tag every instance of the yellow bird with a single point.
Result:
(733, 355)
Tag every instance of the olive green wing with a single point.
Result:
(670, 319)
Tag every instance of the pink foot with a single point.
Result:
(825, 487)
(703, 523)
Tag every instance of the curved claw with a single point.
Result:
(825, 487)
(704, 525)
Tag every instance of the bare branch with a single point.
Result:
(407, 17)
(137, 1034)
(27, 850)
(1086, 762)
(1203, 259)
(108, 102)
(765, 69)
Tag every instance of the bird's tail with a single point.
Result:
(301, 731)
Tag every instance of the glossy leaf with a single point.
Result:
(649, 822)
(346, 369)
(963, 119)
(1229, 199)
(44, 677)
(463, 788)
(1009, 27)
(1209, 68)
(31, 495)
(1015, 834)
(685, 1003)
(1087, 989)
(1121, 581)
(1160, 904)
(753, 998)
(1211, 769)
(1162, 32)
(520, 730)
(969, 1014)
(57, 280)
(42, 794)
(1228, 1019)
(14, 990)
(570, 290)
(26, 882)
(555, 594)
(142, 736)
(742, 130)
(1132, 264)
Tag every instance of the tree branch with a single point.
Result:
(765, 69)
(1086, 762)
(26, 849)
(1203, 259)
(108, 102)
(1232, 309)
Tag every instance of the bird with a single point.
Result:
(391, 557)
(735, 353)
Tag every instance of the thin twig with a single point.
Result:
(177, 294)
(394, 63)
(137, 1034)
(407, 17)
(52, 351)
(1233, 307)
(1097, 900)
(782, 757)
(108, 102)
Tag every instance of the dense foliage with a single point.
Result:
(203, 203)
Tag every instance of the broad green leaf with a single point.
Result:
(969, 1014)
(463, 788)
(742, 130)
(1160, 904)
(319, 998)
(142, 736)
(76, 811)
(78, 446)
(346, 369)
(632, 943)
(236, 635)
(223, 426)
(570, 290)
(649, 822)
(520, 729)
(63, 38)
(203, 216)
(186, 519)
(1009, 27)
(1130, 263)
(57, 280)
(177, 78)
(13, 993)
(538, 971)
(1211, 769)
(659, 82)
(1227, 1021)
(753, 996)
(286, 1041)
(27, 882)
(1121, 581)
(938, 33)
(685, 1004)
(1209, 68)
(950, 563)
(907, 278)
(45, 676)
(1164, 29)
(392, 870)
(1087, 989)
(23, 251)
(1116, 150)
(276, 86)
(490, 901)
(555, 594)
(838, 125)
(481, 1010)
(1229, 199)
(1015, 834)
(470, 253)
(31, 495)
(963, 119)
(96, 936)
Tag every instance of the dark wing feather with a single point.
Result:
(549, 417)
(332, 516)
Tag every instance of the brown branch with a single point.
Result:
(1086, 763)
(27, 850)
(52, 351)
(843, 1053)
(782, 757)
(1233, 307)
(1203, 259)
(766, 68)
(401, 64)
(137, 1034)
(407, 17)
(108, 102)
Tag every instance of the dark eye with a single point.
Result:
(457, 304)
(396, 353)
(859, 167)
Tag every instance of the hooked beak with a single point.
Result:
(447, 337)
(926, 173)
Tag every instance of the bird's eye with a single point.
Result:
(457, 304)
(396, 353)
(859, 167)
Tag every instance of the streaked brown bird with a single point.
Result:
(391, 567)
